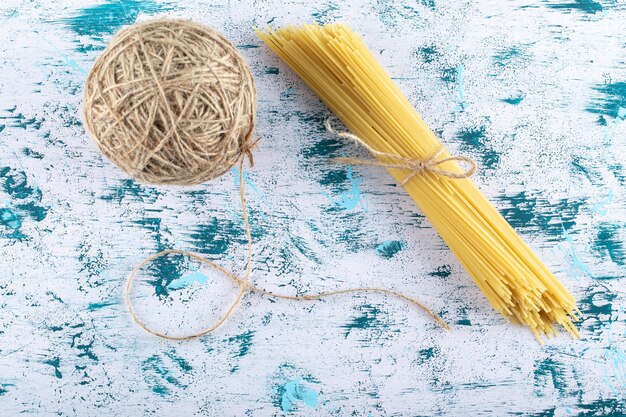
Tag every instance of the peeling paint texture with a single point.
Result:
(534, 91)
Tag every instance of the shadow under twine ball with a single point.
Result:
(171, 102)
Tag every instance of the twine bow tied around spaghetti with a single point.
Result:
(415, 166)
(173, 102)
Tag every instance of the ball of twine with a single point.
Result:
(171, 102)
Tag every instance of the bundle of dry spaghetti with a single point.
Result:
(337, 65)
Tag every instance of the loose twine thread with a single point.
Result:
(173, 102)
(416, 166)
(244, 284)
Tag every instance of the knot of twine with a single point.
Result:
(171, 102)
(415, 166)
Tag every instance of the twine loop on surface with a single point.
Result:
(244, 284)
(416, 166)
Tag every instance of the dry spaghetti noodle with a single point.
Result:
(337, 65)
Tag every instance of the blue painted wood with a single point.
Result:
(535, 91)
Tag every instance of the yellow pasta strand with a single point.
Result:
(337, 65)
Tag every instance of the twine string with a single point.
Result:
(244, 284)
(415, 166)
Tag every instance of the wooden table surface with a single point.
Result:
(534, 90)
